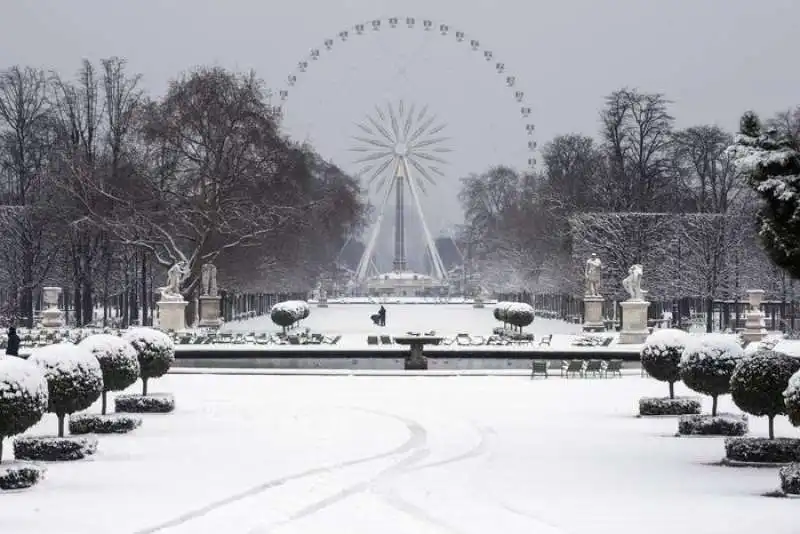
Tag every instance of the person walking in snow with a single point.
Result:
(382, 315)
(12, 346)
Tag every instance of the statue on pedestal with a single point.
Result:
(592, 273)
(633, 283)
(175, 275)
(208, 280)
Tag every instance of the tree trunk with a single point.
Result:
(61, 418)
(714, 405)
(104, 405)
(672, 390)
(144, 289)
(88, 301)
(1, 448)
(771, 427)
(144, 386)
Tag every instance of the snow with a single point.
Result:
(792, 393)
(720, 347)
(18, 377)
(66, 359)
(471, 455)
(298, 308)
(149, 337)
(666, 338)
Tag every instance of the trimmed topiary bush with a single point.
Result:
(790, 479)
(20, 475)
(758, 383)
(713, 425)
(707, 364)
(155, 351)
(661, 355)
(50, 449)
(87, 423)
(517, 314)
(791, 398)
(649, 406)
(762, 450)
(23, 397)
(157, 403)
(118, 360)
(74, 379)
(287, 313)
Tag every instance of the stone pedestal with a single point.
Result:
(209, 312)
(593, 314)
(171, 315)
(754, 325)
(322, 302)
(634, 322)
(52, 317)
(478, 302)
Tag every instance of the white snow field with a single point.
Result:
(410, 455)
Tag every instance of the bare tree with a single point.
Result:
(636, 131)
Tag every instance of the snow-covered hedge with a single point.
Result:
(518, 314)
(707, 364)
(157, 403)
(713, 425)
(88, 423)
(762, 450)
(23, 397)
(155, 350)
(49, 449)
(758, 383)
(649, 406)
(74, 379)
(791, 397)
(285, 314)
(20, 475)
(661, 355)
(790, 479)
(118, 360)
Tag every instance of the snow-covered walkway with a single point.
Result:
(309, 454)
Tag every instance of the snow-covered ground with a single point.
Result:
(309, 454)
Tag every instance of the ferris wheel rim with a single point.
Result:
(428, 25)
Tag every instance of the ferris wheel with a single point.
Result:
(401, 148)
(387, 25)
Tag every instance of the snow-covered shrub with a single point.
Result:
(285, 314)
(791, 397)
(23, 397)
(158, 403)
(155, 350)
(790, 479)
(649, 406)
(86, 423)
(20, 476)
(762, 450)
(49, 449)
(661, 355)
(517, 314)
(758, 383)
(74, 379)
(714, 425)
(118, 360)
(707, 364)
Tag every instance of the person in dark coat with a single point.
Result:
(382, 315)
(12, 347)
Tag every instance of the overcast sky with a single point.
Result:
(713, 58)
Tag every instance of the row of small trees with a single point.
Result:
(68, 378)
(763, 384)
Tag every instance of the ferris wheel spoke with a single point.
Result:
(373, 157)
(373, 142)
(379, 111)
(395, 127)
(421, 169)
(422, 113)
(364, 128)
(437, 171)
(429, 142)
(377, 172)
(381, 129)
(408, 122)
(421, 130)
(430, 157)
(437, 129)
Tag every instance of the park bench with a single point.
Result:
(546, 340)
(573, 367)
(614, 367)
(594, 367)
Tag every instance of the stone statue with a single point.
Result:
(208, 280)
(592, 273)
(633, 283)
(175, 275)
